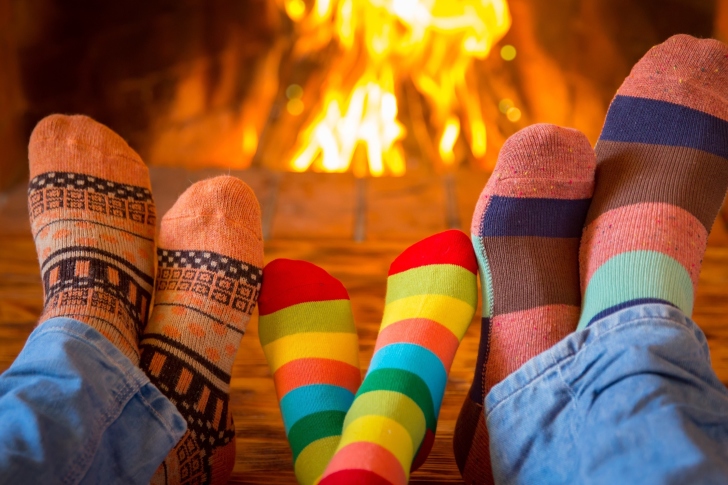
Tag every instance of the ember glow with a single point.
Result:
(378, 46)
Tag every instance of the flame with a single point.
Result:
(383, 44)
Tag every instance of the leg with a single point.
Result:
(526, 232)
(390, 427)
(632, 397)
(662, 176)
(208, 281)
(310, 342)
(73, 406)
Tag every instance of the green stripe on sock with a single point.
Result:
(405, 383)
(439, 279)
(314, 427)
(315, 316)
(633, 275)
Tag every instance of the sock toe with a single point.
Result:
(541, 161)
(222, 196)
(221, 212)
(683, 70)
(79, 144)
(290, 282)
(544, 151)
(448, 247)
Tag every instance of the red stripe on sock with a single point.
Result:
(354, 477)
(288, 282)
(305, 372)
(449, 247)
(369, 459)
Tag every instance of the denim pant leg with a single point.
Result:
(631, 399)
(74, 409)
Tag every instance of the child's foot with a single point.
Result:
(526, 231)
(662, 175)
(93, 221)
(308, 335)
(208, 280)
(390, 427)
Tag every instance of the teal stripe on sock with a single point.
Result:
(633, 275)
(418, 360)
(486, 280)
(306, 400)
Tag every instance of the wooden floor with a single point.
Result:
(355, 238)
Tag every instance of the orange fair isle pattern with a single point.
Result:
(93, 221)
(208, 281)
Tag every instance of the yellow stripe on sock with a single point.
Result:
(452, 313)
(385, 432)
(433, 279)
(343, 347)
(311, 316)
(311, 462)
(393, 405)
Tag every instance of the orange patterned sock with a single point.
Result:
(93, 222)
(208, 280)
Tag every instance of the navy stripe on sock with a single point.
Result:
(641, 120)
(627, 304)
(510, 216)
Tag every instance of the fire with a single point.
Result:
(382, 44)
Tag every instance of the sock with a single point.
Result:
(208, 280)
(93, 222)
(525, 231)
(310, 342)
(431, 299)
(662, 175)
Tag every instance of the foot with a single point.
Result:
(208, 280)
(93, 222)
(390, 427)
(525, 231)
(310, 342)
(662, 176)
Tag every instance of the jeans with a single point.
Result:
(74, 409)
(631, 399)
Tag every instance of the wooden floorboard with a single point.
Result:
(388, 214)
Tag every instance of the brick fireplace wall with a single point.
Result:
(170, 76)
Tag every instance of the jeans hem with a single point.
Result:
(130, 383)
(569, 348)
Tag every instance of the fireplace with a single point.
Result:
(232, 85)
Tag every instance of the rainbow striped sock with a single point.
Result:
(662, 175)
(431, 298)
(309, 339)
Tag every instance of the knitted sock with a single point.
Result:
(308, 335)
(525, 230)
(662, 175)
(431, 298)
(208, 280)
(93, 221)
